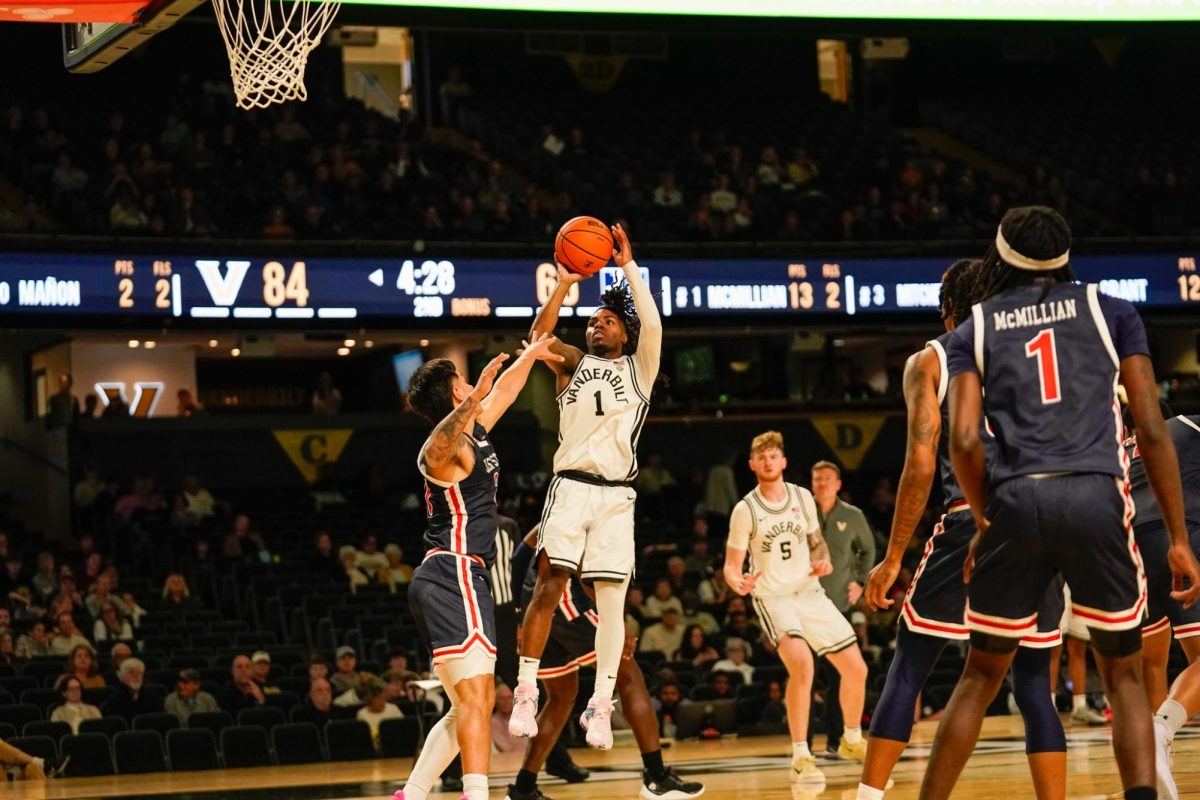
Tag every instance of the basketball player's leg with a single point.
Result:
(797, 657)
(1156, 649)
(1045, 742)
(1007, 587)
(657, 779)
(607, 564)
(559, 551)
(892, 722)
(1094, 548)
(830, 636)
(560, 697)
(931, 615)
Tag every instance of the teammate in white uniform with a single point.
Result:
(777, 524)
(587, 523)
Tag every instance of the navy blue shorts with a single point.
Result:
(572, 644)
(451, 600)
(937, 599)
(1153, 542)
(1076, 525)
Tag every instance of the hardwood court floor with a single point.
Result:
(741, 769)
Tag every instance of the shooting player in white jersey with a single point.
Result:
(587, 523)
(777, 525)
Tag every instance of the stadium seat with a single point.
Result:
(55, 730)
(45, 699)
(20, 713)
(41, 670)
(282, 700)
(296, 684)
(139, 751)
(15, 684)
(97, 695)
(297, 743)
(213, 721)
(7, 731)
(211, 641)
(245, 746)
(6, 699)
(108, 726)
(90, 754)
(161, 721)
(265, 717)
(258, 639)
(192, 749)
(349, 740)
(398, 737)
(37, 746)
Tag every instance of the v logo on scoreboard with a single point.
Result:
(146, 395)
(223, 288)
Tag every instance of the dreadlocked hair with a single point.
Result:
(959, 284)
(619, 300)
(1038, 232)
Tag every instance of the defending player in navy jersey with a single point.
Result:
(1166, 615)
(1040, 357)
(933, 612)
(449, 594)
(572, 645)
(587, 523)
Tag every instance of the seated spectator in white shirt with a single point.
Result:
(376, 708)
(736, 653)
(661, 600)
(73, 710)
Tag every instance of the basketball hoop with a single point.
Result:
(268, 42)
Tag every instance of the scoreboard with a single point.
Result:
(413, 290)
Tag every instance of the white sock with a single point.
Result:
(868, 793)
(800, 750)
(610, 635)
(475, 786)
(527, 671)
(1172, 716)
(1078, 702)
(441, 746)
(852, 735)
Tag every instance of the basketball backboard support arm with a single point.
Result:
(90, 47)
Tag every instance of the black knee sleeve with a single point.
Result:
(1117, 644)
(990, 643)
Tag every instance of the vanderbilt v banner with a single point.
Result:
(311, 450)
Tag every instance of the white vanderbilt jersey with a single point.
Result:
(776, 538)
(600, 417)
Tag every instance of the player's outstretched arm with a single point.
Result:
(547, 320)
(1162, 468)
(921, 377)
(443, 452)
(966, 448)
(649, 351)
(539, 348)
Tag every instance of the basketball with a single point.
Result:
(583, 245)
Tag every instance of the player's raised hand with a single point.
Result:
(820, 567)
(880, 580)
(488, 377)
(1185, 574)
(622, 249)
(745, 584)
(566, 277)
(539, 347)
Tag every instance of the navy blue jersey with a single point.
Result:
(951, 493)
(574, 603)
(1048, 356)
(1185, 433)
(462, 516)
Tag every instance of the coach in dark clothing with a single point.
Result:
(130, 698)
(240, 691)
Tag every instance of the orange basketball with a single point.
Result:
(583, 245)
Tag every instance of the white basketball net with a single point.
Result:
(268, 42)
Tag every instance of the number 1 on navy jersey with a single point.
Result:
(1042, 347)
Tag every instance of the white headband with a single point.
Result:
(1010, 256)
